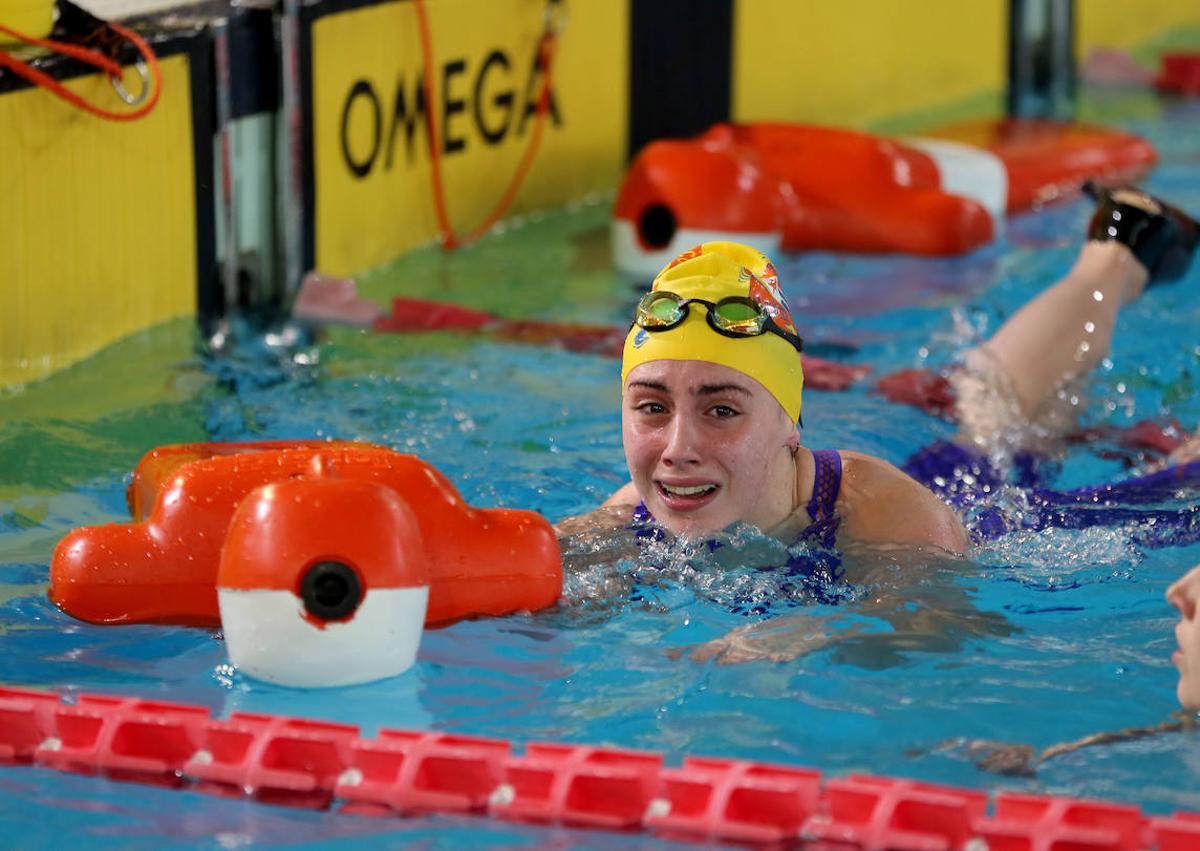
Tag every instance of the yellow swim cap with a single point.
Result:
(713, 271)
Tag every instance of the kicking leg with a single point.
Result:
(1067, 329)
(1134, 240)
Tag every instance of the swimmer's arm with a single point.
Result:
(881, 504)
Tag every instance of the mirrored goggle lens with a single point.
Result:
(741, 316)
(657, 310)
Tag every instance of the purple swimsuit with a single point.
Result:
(965, 479)
(817, 565)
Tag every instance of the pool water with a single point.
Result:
(1040, 637)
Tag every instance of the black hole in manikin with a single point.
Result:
(330, 590)
(657, 226)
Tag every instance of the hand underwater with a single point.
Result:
(778, 640)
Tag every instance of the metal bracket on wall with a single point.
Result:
(247, 278)
(291, 165)
(1041, 58)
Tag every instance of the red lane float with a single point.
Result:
(418, 315)
(795, 187)
(415, 315)
(163, 568)
(1180, 74)
(319, 764)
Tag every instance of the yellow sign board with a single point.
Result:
(1120, 24)
(859, 62)
(373, 191)
(97, 222)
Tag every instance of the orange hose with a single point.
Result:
(91, 57)
(449, 239)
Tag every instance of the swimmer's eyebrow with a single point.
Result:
(650, 385)
(702, 390)
(714, 389)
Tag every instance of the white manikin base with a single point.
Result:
(268, 637)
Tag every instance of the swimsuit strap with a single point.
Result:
(827, 482)
(645, 529)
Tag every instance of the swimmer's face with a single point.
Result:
(706, 446)
(1184, 595)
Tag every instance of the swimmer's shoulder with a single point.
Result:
(616, 512)
(880, 503)
(865, 475)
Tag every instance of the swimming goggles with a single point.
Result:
(732, 316)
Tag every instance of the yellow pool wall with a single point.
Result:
(100, 224)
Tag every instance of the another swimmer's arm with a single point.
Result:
(881, 504)
(1023, 760)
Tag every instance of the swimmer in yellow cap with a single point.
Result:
(712, 394)
(712, 380)
(712, 383)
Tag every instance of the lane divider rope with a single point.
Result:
(321, 764)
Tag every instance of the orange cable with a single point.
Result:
(439, 199)
(449, 240)
(91, 57)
